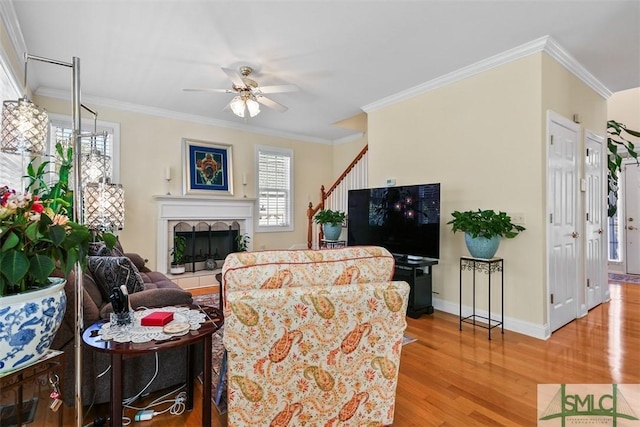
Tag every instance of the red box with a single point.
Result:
(159, 318)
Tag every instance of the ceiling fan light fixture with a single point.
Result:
(237, 105)
(253, 107)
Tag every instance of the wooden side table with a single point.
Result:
(487, 266)
(51, 363)
(120, 351)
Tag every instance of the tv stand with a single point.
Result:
(417, 273)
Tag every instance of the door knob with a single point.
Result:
(631, 227)
(630, 219)
(575, 235)
(600, 230)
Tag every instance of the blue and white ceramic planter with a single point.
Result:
(28, 323)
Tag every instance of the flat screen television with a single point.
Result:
(404, 219)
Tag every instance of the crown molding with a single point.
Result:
(349, 138)
(14, 32)
(543, 44)
(557, 52)
(141, 109)
(12, 26)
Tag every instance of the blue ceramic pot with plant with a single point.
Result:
(484, 230)
(331, 223)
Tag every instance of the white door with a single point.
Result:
(632, 216)
(562, 202)
(595, 235)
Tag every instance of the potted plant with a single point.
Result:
(331, 222)
(616, 139)
(37, 236)
(243, 242)
(483, 230)
(179, 245)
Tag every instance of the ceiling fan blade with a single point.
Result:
(234, 76)
(209, 90)
(277, 89)
(271, 103)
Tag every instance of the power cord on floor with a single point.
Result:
(98, 422)
(177, 407)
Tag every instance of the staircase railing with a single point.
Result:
(354, 176)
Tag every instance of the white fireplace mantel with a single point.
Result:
(190, 208)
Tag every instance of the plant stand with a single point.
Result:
(486, 266)
(52, 363)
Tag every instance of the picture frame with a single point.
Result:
(208, 168)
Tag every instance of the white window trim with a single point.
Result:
(87, 124)
(291, 213)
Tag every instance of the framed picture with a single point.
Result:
(208, 168)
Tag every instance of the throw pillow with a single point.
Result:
(100, 249)
(110, 272)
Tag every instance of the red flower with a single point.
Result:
(37, 207)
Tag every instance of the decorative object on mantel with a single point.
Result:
(208, 168)
(244, 185)
(167, 177)
(483, 230)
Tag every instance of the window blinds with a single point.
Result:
(274, 188)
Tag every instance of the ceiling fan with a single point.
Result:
(249, 93)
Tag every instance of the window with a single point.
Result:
(275, 188)
(12, 166)
(61, 131)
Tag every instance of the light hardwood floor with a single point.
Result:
(453, 378)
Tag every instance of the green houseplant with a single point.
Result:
(616, 140)
(243, 242)
(483, 230)
(331, 222)
(179, 246)
(37, 236)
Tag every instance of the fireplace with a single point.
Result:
(210, 225)
(207, 243)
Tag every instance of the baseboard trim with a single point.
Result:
(511, 324)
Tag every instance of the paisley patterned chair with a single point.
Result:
(313, 337)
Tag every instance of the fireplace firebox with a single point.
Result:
(207, 244)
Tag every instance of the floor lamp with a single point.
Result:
(27, 118)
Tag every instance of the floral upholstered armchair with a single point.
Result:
(313, 337)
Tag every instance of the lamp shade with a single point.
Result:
(104, 206)
(237, 106)
(96, 166)
(24, 128)
(253, 107)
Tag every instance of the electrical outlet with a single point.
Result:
(517, 218)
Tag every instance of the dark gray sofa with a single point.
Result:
(158, 291)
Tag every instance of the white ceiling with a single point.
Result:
(343, 55)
